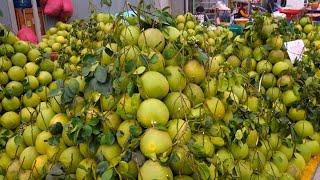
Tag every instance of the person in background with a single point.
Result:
(202, 17)
(243, 11)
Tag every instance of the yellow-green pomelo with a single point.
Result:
(33, 55)
(27, 157)
(31, 68)
(30, 134)
(19, 59)
(147, 115)
(276, 56)
(153, 85)
(40, 166)
(124, 129)
(109, 152)
(10, 104)
(5, 160)
(204, 141)
(177, 81)
(16, 73)
(178, 105)
(85, 168)
(21, 46)
(14, 149)
(44, 117)
(155, 141)
(13, 170)
(54, 152)
(154, 170)
(130, 35)
(179, 130)
(30, 101)
(42, 142)
(70, 158)
(297, 114)
(15, 87)
(194, 71)
(289, 97)
(194, 94)
(151, 38)
(10, 120)
(214, 107)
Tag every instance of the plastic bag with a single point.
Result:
(53, 8)
(67, 11)
(27, 34)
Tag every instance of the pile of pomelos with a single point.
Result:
(158, 98)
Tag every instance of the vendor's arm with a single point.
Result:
(243, 13)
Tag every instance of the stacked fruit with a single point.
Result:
(140, 98)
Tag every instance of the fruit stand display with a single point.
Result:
(165, 98)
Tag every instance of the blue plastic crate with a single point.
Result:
(24, 3)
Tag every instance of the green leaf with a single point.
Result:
(86, 132)
(108, 138)
(130, 66)
(74, 86)
(140, 70)
(180, 59)
(107, 175)
(18, 139)
(53, 141)
(86, 71)
(1, 14)
(130, 88)
(102, 167)
(95, 121)
(145, 59)
(59, 83)
(101, 74)
(56, 128)
(267, 47)
(89, 59)
(135, 130)
(173, 158)
(223, 84)
(154, 59)
(53, 93)
(160, 127)
(203, 170)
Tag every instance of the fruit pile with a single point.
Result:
(159, 98)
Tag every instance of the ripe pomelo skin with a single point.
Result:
(179, 130)
(151, 38)
(130, 35)
(154, 170)
(152, 112)
(70, 158)
(129, 105)
(27, 157)
(10, 120)
(109, 152)
(155, 141)
(215, 108)
(30, 134)
(124, 128)
(40, 166)
(14, 150)
(153, 85)
(42, 142)
(194, 94)
(177, 82)
(194, 71)
(178, 105)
